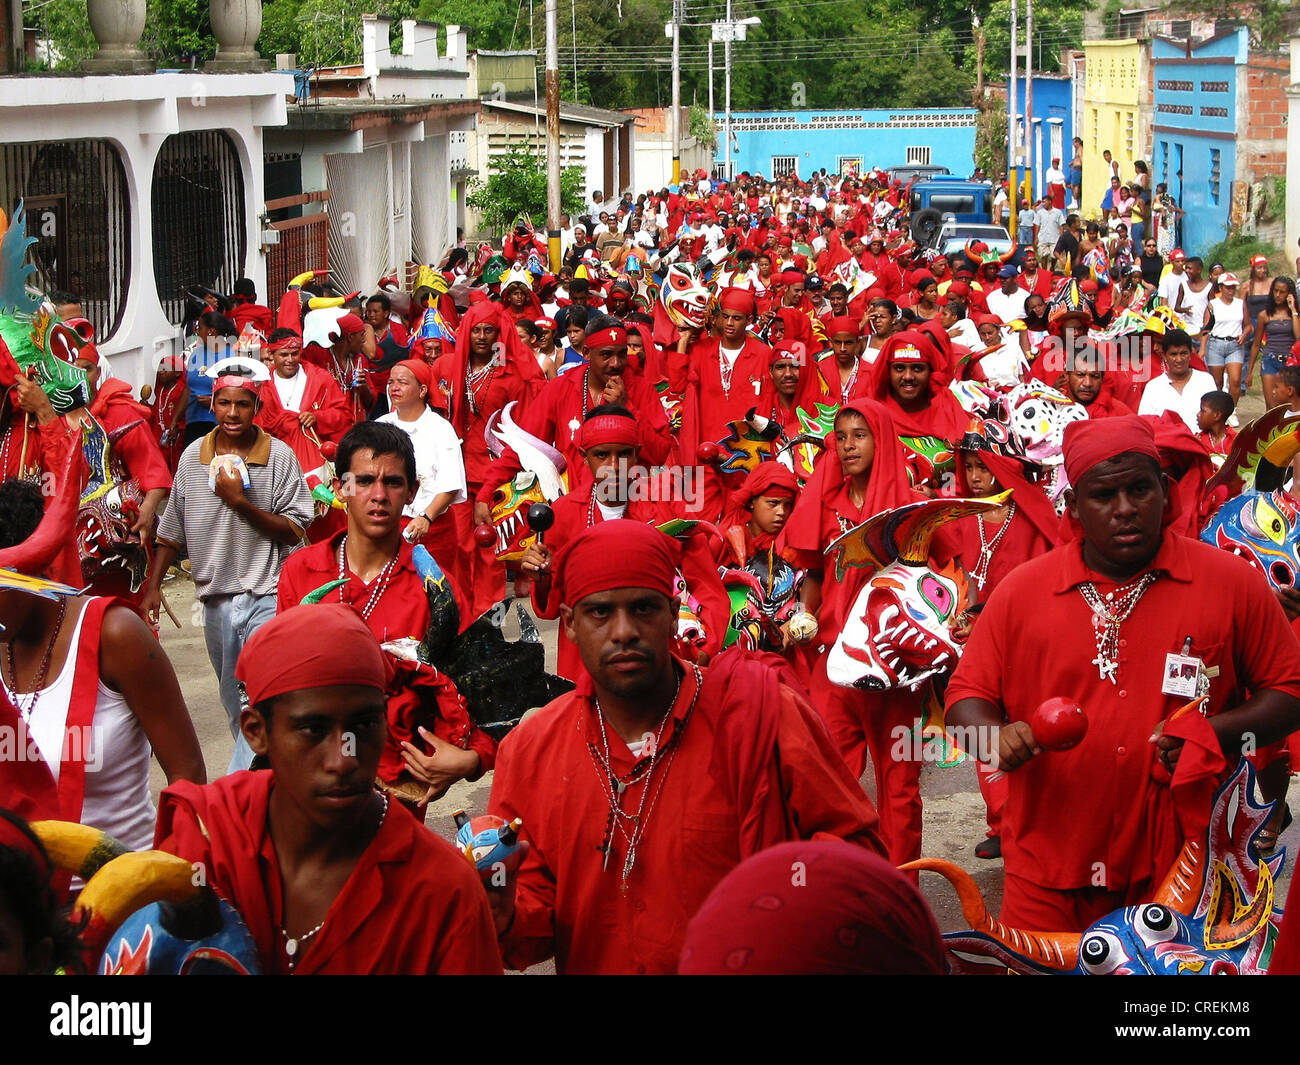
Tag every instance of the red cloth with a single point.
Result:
(944, 416)
(1088, 443)
(834, 386)
(260, 317)
(402, 611)
(136, 448)
(27, 786)
(753, 766)
(1056, 829)
(297, 649)
(1186, 459)
(814, 908)
(647, 559)
(320, 396)
(1286, 951)
(556, 416)
(412, 904)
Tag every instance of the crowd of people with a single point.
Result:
(721, 385)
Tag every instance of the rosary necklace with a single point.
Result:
(980, 573)
(377, 589)
(1108, 615)
(293, 944)
(475, 378)
(632, 826)
(725, 370)
(38, 684)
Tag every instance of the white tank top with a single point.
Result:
(116, 753)
(1227, 318)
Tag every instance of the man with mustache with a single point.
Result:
(642, 788)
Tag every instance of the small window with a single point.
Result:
(1164, 162)
(783, 165)
(1180, 29)
(852, 164)
(918, 155)
(1215, 160)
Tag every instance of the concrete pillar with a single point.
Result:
(117, 26)
(236, 25)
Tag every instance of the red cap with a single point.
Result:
(1090, 442)
(740, 300)
(350, 324)
(647, 559)
(1177, 255)
(842, 323)
(299, 649)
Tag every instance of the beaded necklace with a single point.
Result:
(377, 589)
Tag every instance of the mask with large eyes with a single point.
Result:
(1102, 953)
(1263, 529)
(1039, 416)
(684, 296)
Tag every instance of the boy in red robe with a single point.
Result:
(640, 790)
(329, 876)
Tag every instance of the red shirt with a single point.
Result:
(402, 610)
(570, 905)
(320, 396)
(502, 386)
(1106, 803)
(412, 905)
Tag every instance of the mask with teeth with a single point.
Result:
(897, 633)
(1262, 528)
(510, 505)
(110, 505)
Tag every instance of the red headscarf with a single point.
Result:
(944, 417)
(1088, 443)
(1029, 498)
(607, 429)
(847, 912)
(300, 649)
(646, 558)
(809, 389)
(422, 372)
(766, 479)
(518, 356)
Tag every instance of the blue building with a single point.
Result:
(1195, 128)
(1053, 123)
(774, 143)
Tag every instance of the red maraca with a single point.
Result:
(328, 450)
(1058, 724)
(485, 535)
(708, 452)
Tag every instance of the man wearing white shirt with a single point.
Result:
(1008, 301)
(1179, 388)
(1050, 220)
(1170, 289)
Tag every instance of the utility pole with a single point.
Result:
(552, 137)
(1029, 95)
(712, 113)
(726, 62)
(677, 97)
(1013, 147)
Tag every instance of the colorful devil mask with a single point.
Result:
(897, 633)
(1262, 528)
(110, 505)
(510, 503)
(1213, 914)
(150, 943)
(1038, 419)
(684, 296)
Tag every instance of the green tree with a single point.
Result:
(517, 185)
(67, 27)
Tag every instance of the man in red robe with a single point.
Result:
(303, 406)
(719, 379)
(376, 469)
(557, 413)
(640, 790)
(329, 876)
(1088, 383)
(1097, 827)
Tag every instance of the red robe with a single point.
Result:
(322, 397)
(752, 767)
(46, 452)
(556, 416)
(401, 611)
(412, 905)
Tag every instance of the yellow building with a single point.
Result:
(1116, 114)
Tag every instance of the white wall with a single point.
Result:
(137, 113)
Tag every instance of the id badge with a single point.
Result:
(1181, 676)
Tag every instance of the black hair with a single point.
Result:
(616, 409)
(956, 307)
(907, 316)
(382, 299)
(21, 509)
(380, 438)
(1177, 338)
(26, 892)
(837, 287)
(530, 327)
(58, 296)
(1222, 403)
(1290, 376)
(219, 324)
(579, 285)
(1195, 259)
(597, 322)
(281, 334)
(244, 287)
(888, 304)
(577, 315)
(638, 318)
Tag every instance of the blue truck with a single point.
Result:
(931, 201)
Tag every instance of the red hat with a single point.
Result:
(614, 336)
(608, 429)
(740, 300)
(421, 371)
(765, 479)
(350, 324)
(1090, 442)
(1177, 255)
(300, 649)
(646, 558)
(1259, 260)
(843, 323)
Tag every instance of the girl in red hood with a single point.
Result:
(860, 474)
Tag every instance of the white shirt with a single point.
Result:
(1008, 308)
(1054, 176)
(1194, 304)
(1169, 288)
(291, 389)
(1050, 220)
(1228, 319)
(439, 465)
(1159, 395)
